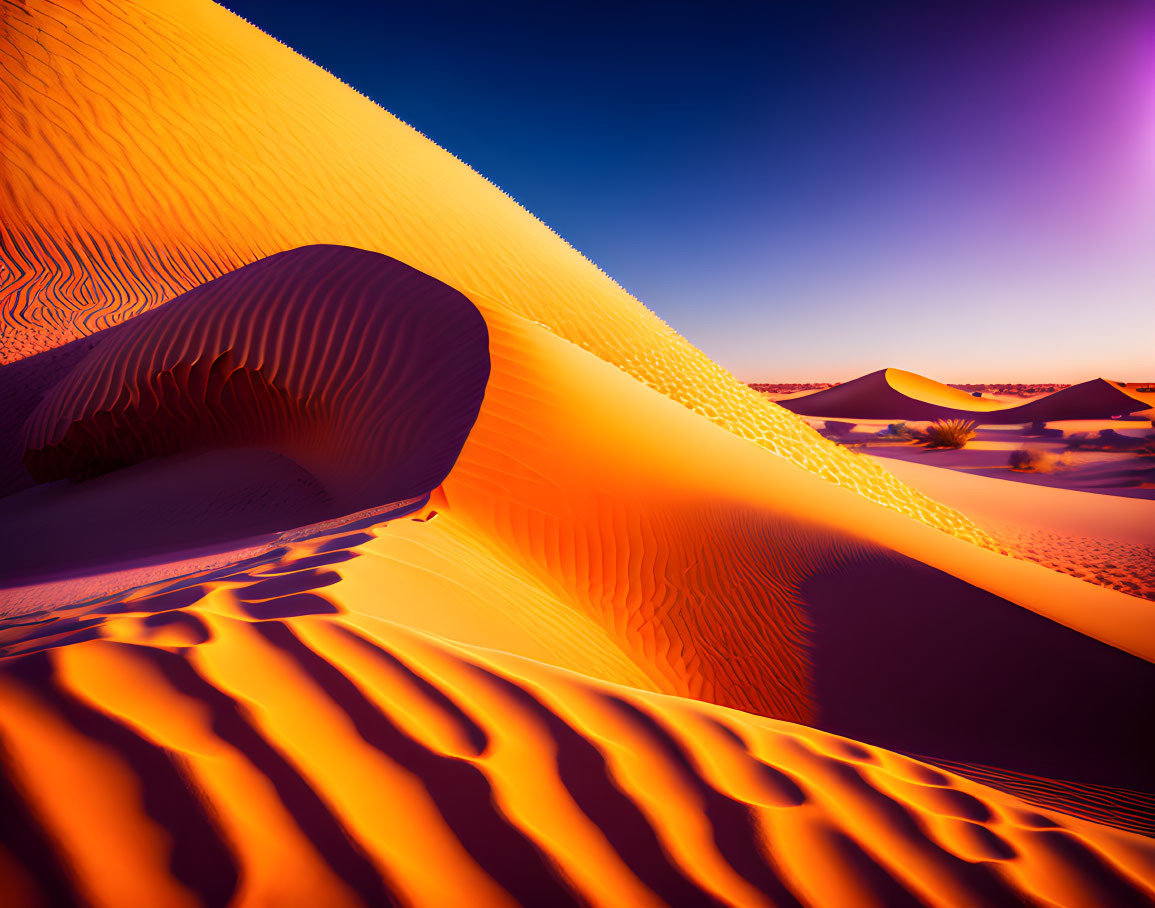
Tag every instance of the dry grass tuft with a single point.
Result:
(949, 433)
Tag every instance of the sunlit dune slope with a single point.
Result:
(365, 371)
(727, 575)
(221, 750)
(897, 394)
(149, 147)
(518, 685)
(592, 523)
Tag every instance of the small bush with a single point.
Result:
(899, 430)
(1106, 440)
(1039, 428)
(949, 433)
(1034, 460)
(838, 429)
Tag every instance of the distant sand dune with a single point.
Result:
(897, 394)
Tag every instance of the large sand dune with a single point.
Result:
(131, 181)
(897, 394)
(570, 533)
(616, 632)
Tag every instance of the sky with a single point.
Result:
(808, 190)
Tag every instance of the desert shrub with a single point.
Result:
(1039, 429)
(1025, 460)
(1035, 460)
(1117, 441)
(949, 433)
(838, 429)
(899, 430)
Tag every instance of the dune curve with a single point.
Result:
(364, 370)
(263, 171)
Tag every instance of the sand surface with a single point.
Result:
(542, 608)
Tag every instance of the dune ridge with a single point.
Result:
(898, 394)
(151, 172)
(1122, 808)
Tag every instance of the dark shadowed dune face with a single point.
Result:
(313, 384)
(365, 371)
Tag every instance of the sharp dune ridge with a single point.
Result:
(488, 588)
(897, 394)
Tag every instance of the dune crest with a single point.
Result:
(83, 248)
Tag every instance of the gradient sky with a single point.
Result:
(808, 190)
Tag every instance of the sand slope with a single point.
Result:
(519, 684)
(897, 394)
(197, 145)
(226, 751)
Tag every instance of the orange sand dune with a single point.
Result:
(897, 394)
(517, 685)
(1105, 537)
(197, 144)
(569, 531)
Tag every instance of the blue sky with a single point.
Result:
(808, 190)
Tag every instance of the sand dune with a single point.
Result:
(616, 631)
(1106, 538)
(377, 407)
(221, 176)
(234, 741)
(897, 394)
(574, 536)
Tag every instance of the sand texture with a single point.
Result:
(364, 544)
